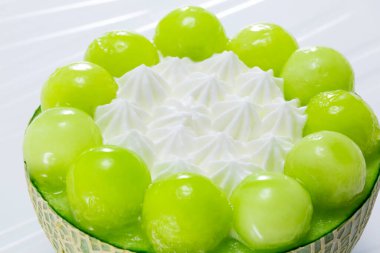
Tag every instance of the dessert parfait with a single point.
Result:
(198, 143)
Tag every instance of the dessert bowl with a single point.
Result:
(217, 132)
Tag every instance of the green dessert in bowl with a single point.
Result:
(241, 145)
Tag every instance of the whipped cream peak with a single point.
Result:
(172, 142)
(216, 146)
(239, 118)
(188, 113)
(166, 168)
(143, 86)
(226, 66)
(173, 69)
(138, 143)
(227, 174)
(285, 119)
(260, 85)
(203, 88)
(120, 116)
(269, 151)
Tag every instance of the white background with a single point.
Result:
(36, 36)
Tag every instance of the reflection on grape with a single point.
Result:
(316, 69)
(105, 189)
(344, 112)
(190, 32)
(121, 51)
(82, 85)
(185, 213)
(53, 141)
(330, 166)
(264, 45)
(326, 220)
(272, 212)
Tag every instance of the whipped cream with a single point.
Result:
(238, 118)
(261, 86)
(226, 66)
(119, 117)
(174, 69)
(218, 118)
(187, 112)
(269, 151)
(203, 88)
(143, 86)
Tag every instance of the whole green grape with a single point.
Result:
(184, 213)
(82, 85)
(344, 112)
(231, 245)
(312, 70)
(105, 189)
(272, 212)
(53, 141)
(330, 166)
(121, 51)
(190, 32)
(264, 45)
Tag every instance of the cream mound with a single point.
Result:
(218, 118)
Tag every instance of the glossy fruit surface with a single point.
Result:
(185, 213)
(330, 166)
(190, 32)
(121, 51)
(327, 220)
(82, 85)
(53, 141)
(231, 245)
(344, 112)
(131, 237)
(272, 212)
(312, 70)
(105, 189)
(264, 45)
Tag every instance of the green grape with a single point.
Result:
(58, 201)
(325, 221)
(264, 45)
(312, 70)
(344, 112)
(82, 85)
(131, 237)
(190, 32)
(105, 189)
(53, 141)
(330, 166)
(185, 213)
(121, 51)
(231, 245)
(272, 212)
